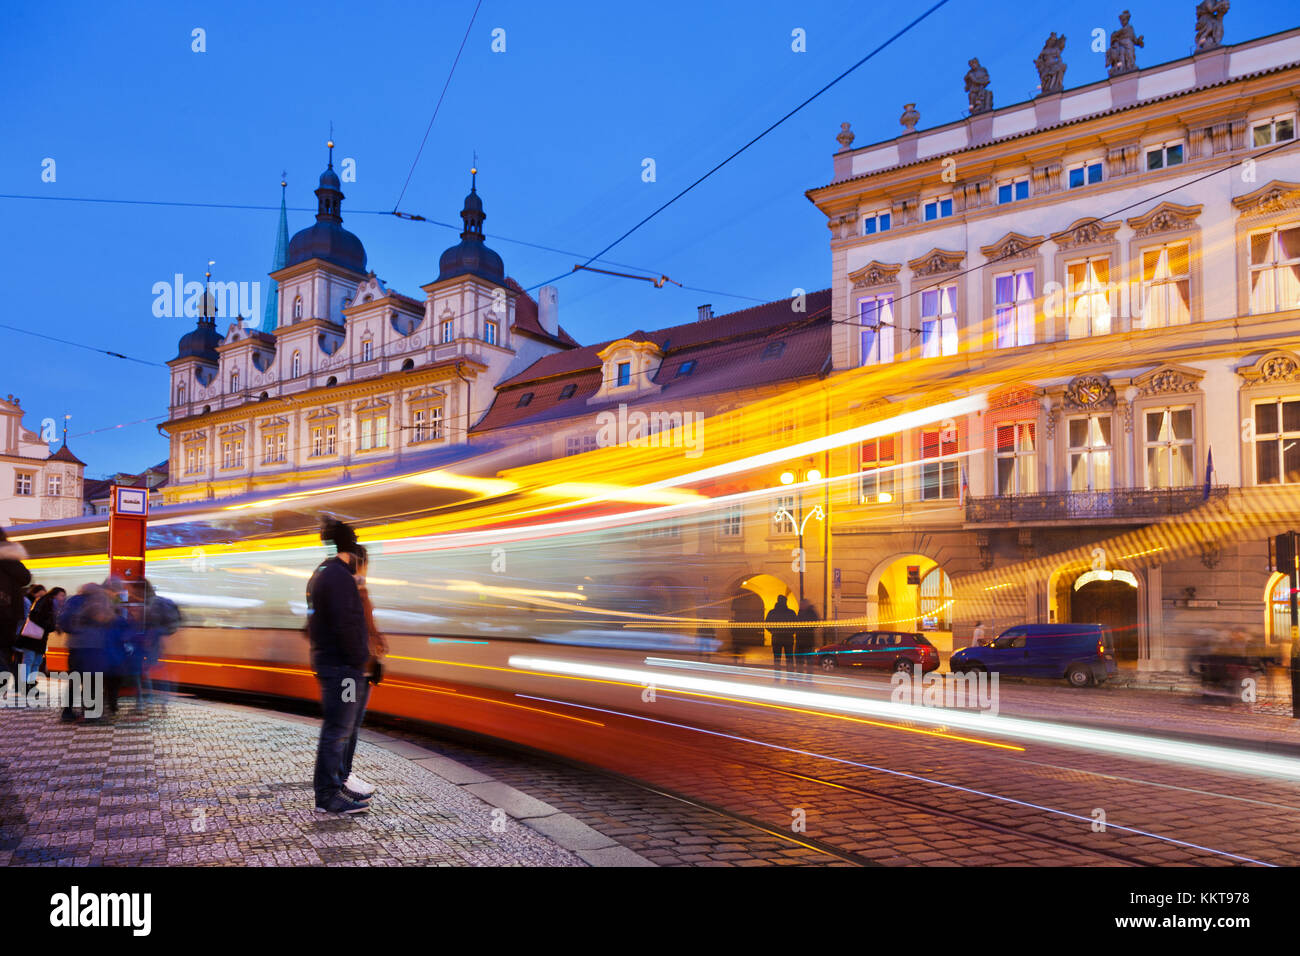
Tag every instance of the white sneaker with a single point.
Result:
(359, 786)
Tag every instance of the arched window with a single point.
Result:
(1279, 607)
(297, 364)
(180, 394)
(408, 365)
(234, 380)
(367, 350)
(297, 307)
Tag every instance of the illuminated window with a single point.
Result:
(1017, 459)
(317, 441)
(226, 459)
(876, 317)
(939, 464)
(1169, 447)
(239, 453)
(785, 509)
(1091, 454)
(1087, 289)
(1275, 269)
(1278, 129)
(428, 424)
(268, 449)
(939, 321)
(878, 461)
(374, 431)
(1013, 307)
(1166, 285)
(1277, 441)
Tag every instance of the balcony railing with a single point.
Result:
(1073, 505)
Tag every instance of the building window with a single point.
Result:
(23, 483)
(1169, 448)
(876, 316)
(490, 333)
(733, 428)
(733, 521)
(877, 480)
(428, 424)
(524, 400)
(54, 486)
(281, 446)
(686, 368)
(1165, 155)
(367, 350)
(1017, 459)
(875, 222)
(936, 600)
(624, 374)
(568, 390)
(1277, 129)
(374, 432)
(234, 381)
(226, 458)
(773, 350)
(268, 449)
(573, 445)
(317, 441)
(297, 307)
(1090, 453)
(448, 331)
(1087, 289)
(1013, 190)
(296, 365)
(938, 464)
(239, 453)
(1277, 441)
(1166, 286)
(783, 425)
(939, 321)
(1083, 174)
(785, 514)
(937, 208)
(180, 394)
(1013, 297)
(1275, 269)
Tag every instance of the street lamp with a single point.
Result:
(800, 522)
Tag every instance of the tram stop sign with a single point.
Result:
(127, 518)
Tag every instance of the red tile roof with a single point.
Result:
(65, 454)
(727, 351)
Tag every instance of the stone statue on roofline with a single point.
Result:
(1051, 68)
(1209, 24)
(1121, 58)
(977, 88)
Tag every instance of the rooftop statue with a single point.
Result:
(977, 88)
(1121, 58)
(1209, 23)
(1051, 68)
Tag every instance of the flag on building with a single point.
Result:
(1209, 471)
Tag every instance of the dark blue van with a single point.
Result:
(1083, 654)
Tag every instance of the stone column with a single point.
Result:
(1151, 647)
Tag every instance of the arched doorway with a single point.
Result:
(1278, 613)
(912, 593)
(1100, 596)
(752, 598)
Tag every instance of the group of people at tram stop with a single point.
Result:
(115, 629)
(797, 644)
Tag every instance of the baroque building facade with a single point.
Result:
(354, 377)
(35, 484)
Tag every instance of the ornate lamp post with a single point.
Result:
(801, 521)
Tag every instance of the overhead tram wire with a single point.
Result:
(80, 345)
(1087, 221)
(437, 106)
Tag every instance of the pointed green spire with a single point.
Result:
(277, 263)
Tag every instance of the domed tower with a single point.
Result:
(196, 361)
(319, 280)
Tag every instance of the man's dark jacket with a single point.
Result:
(14, 576)
(781, 614)
(336, 621)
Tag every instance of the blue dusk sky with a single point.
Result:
(561, 121)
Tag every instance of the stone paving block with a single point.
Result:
(570, 832)
(518, 805)
(450, 770)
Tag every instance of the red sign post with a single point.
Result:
(127, 518)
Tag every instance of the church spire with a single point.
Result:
(278, 261)
(472, 215)
(329, 194)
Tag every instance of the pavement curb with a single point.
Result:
(561, 828)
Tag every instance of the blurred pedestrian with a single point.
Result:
(14, 577)
(340, 652)
(43, 615)
(88, 618)
(782, 637)
(805, 644)
(977, 637)
(163, 619)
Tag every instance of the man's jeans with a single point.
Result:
(343, 699)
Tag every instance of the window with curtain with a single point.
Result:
(785, 523)
(1166, 286)
(1275, 269)
(1091, 453)
(1277, 441)
(938, 464)
(876, 316)
(733, 521)
(1013, 307)
(1087, 287)
(1017, 459)
(1169, 448)
(939, 321)
(877, 481)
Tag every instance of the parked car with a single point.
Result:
(881, 650)
(1083, 654)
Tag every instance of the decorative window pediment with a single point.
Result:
(1013, 395)
(279, 421)
(194, 437)
(1167, 217)
(327, 411)
(1089, 391)
(1269, 199)
(937, 262)
(1169, 379)
(375, 404)
(235, 430)
(875, 274)
(1087, 232)
(1013, 246)
(1272, 368)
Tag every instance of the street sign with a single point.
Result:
(913, 574)
(127, 520)
(131, 501)
(838, 580)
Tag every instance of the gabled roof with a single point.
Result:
(727, 350)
